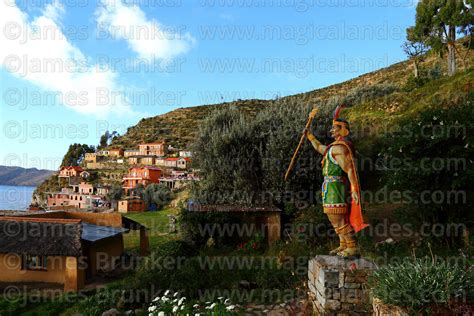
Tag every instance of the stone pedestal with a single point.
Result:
(337, 285)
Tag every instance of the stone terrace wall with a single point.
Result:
(338, 286)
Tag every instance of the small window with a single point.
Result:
(34, 262)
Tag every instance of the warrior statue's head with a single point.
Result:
(340, 127)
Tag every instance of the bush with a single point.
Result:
(157, 195)
(368, 93)
(443, 137)
(416, 285)
(198, 227)
(243, 161)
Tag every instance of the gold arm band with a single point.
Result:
(311, 137)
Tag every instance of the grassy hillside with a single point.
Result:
(179, 127)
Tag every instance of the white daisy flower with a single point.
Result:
(175, 309)
(152, 308)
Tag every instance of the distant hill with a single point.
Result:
(23, 177)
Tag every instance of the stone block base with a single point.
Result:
(337, 285)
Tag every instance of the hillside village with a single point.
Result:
(149, 163)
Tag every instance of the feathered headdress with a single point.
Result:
(342, 123)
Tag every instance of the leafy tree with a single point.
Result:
(415, 48)
(75, 154)
(115, 192)
(106, 139)
(157, 194)
(242, 160)
(139, 190)
(439, 21)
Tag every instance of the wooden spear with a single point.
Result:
(293, 159)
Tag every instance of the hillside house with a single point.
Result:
(140, 175)
(59, 198)
(152, 149)
(131, 152)
(177, 162)
(141, 160)
(84, 188)
(64, 248)
(70, 171)
(90, 157)
(185, 154)
(115, 152)
(103, 190)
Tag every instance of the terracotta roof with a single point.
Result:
(177, 158)
(77, 168)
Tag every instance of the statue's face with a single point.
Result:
(335, 131)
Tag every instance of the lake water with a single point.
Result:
(15, 198)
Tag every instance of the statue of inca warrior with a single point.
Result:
(340, 189)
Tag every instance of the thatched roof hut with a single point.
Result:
(41, 236)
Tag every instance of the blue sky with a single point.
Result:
(71, 70)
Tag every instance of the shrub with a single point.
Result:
(243, 161)
(417, 284)
(368, 93)
(443, 137)
(157, 195)
(198, 227)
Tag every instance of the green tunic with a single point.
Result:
(334, 189)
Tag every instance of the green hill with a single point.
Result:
(178, 127)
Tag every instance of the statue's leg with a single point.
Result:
(337, 220)
(347, 232)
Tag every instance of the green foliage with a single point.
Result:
(157, 194)
(75, 154)
(243, 161)
(425, 76)
(115, 192)
(437, 23)
(418, 284)
(103, 300)
(198, 227)
(106, 138)
(442, 138)
(366, 93)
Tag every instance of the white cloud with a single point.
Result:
(39, 52)
(148, 38)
